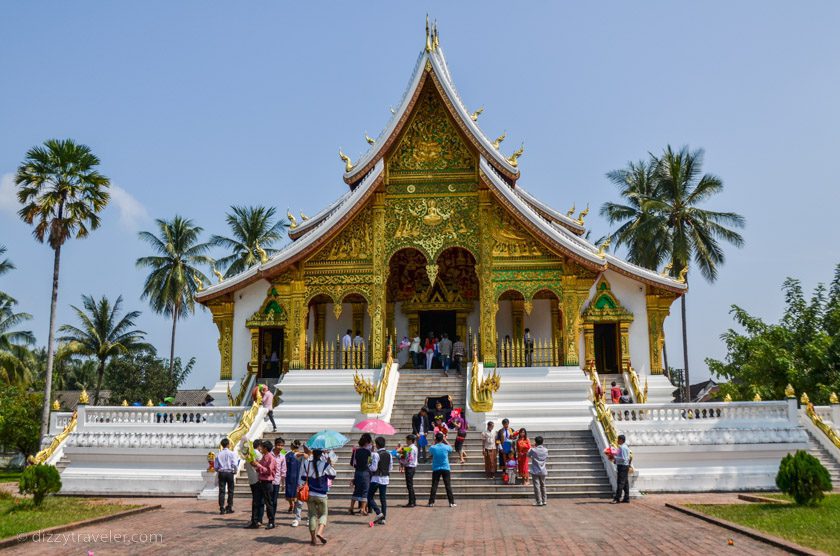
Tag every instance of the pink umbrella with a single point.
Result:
(375, 426)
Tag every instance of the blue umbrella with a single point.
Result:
(327, 440)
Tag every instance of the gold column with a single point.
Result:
(624, 344)
(556, 330)
(575, 292)
(461, 325)
(254, 364)
(222, 311)
(298, 313)
(589, 345)
(658, 308)
(484, 269)
(376, 305)
(320, 323)
(516, 318)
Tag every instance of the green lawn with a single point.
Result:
(17, 515)
(816, 527)
(9, 476)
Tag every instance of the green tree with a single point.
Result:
(19, 418)
(39, 481)
(13, 343)
(62, 193)
(5, 264)
(171, 285)
(670, 212)
(252, 228)
(802, 349)
(103, 333)
(802, 476)
(143, 376)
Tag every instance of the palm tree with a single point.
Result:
(639, 231)
(62, 193)
(252, 228)
(171, 284)
(103, 333)
(5, 264)
(13, 343)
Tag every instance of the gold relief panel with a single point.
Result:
(431, 144)
(354, 243)
(431, 225)
(510, 239)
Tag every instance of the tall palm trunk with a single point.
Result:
(687, 385)
(172, 342)
(45, 414)
(100, 372)
(665, 359)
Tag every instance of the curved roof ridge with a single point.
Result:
(552, 214)
(297, 248)
(306, 225)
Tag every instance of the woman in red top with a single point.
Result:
(429, 348)
(615, 392)
(522, 447)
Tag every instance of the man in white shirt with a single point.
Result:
(226, 465)
(346, 347)
(381, 465)
(408, 459)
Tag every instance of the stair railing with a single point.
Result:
(45, 454)
(246, 421)
(373, 395)
(482, 387)
(638, 394)
(818, 421)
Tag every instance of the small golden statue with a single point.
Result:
(474, 116)
(683, 274)
(56, 406)
(789, 391)
(583, 214)
(804, 399)
(602, 249)
(498, 142)
(832, 399)
(199, 285)
(124, 403)
(219, 276)
(261, 252)
(292, 219)
(348, 164)
(514, 158)
(727, 398)
(211, 462)
(149, 403)
(434, 215)
(369, 139)
(667, 270)
(571, 211)
(757, 397)
(84, 398)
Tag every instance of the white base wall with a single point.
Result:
(660, 389)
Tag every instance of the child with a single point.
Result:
(440, 427)
(510, 469)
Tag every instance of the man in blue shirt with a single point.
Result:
(622, 466)
(226, 465)
(440, 469)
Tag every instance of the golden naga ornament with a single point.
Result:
(514, 158)
(474, 116)
(84, 398)
(261, 252)
(348, 164)
(219, 276)
(727, 398)
(292, 219)
(303, 217)
(583, 214)
(498, 142)
(804, 399)
(602, 249)
(571, 211)
(683, 274)
(832, 399)
(789, 391)
(667, 270)
(124, 403)
(199, 285)
(56, 406)
(757, 397)
(369, 139)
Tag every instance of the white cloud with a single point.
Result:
(132, 212)
(8, 194)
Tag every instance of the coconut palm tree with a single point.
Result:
(171, 285)
(62, 193)
(639, 231)
(5, 264)
(103, 333)
(13, 343)
(251, 228)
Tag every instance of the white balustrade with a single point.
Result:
(706, 411)
(824, 412)
(91, 417)
(59, 420)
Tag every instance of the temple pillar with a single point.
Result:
(556, 332)
(254, 363)
(298, 313)
(658, 308)
(488, 304)
(589, 345)
(624, 344)
(377, 301)
(222, 311)
(461, 325)
(575, 292)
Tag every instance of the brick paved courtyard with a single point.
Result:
(571, 526)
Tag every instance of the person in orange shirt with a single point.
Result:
(522, 447)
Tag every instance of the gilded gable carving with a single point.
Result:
(354, 243)
(431, 143)
(510, 239)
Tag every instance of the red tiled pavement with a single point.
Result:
(491, 527)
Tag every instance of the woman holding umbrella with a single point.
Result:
(317, 471)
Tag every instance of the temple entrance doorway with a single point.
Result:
(271, 352)
(607, 356)
(438, 323)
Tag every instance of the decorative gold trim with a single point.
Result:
(246, 421)
(57, 440)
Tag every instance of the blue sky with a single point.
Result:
(194, 106)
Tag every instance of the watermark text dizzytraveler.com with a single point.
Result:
(109, 537)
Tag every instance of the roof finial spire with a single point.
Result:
(515, 156)
(435, 37)
(428, 36)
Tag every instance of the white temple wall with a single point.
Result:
(539, 321)
(504, 321)
(631, 294)
(247, 301)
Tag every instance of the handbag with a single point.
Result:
(303, 490)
